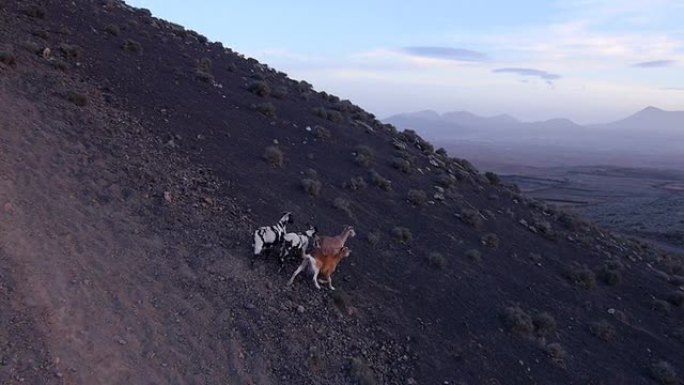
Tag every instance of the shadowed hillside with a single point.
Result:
(137, 158)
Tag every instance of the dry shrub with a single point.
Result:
(312, 186)
(274, 156)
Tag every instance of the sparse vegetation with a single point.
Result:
(545, 229)
(112, 30)
(380, 181)
(402, 234)
(203, 70)
(267, 109)
(445, 180)
(610, 275)
(581, 276)
(603, 330)
(60, 65)
(259, 88)
(556, 352)
(373, 238)
(417, 197)
(364, 156)
(356, 183)
(132, 46)
(8, 58)
(409, 136)
(517, 320)
(492, 178)
(437, 260)
(77, 98)
(664, 373)
(274, 156)
(35, 11)
(471, 217)
(280, 92)
(331, 115)
(71, 52)
(312, 186)
(401, 164)
(322, 133)
(473, 255)
(490, 240)
(343, 204)
(544, 324)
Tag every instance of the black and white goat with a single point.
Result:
(296, 243)
(268, 238)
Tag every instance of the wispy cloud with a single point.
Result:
(529, 72)
(446, 53)
(673, 88)
(655, 64)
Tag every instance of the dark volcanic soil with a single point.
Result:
(131, 178)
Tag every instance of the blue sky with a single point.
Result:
(588, 60)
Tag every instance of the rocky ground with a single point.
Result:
(135, 167)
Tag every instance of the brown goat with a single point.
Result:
(331, 245)
(323, 263)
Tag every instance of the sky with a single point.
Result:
(588, 60)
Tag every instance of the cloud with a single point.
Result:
(446, 53)
(655, 64)
(529, 72)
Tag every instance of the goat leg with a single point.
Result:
(301, 267)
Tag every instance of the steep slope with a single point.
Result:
(133, 175)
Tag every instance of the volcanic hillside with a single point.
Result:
(136, 160)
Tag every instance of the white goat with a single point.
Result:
(267, 238)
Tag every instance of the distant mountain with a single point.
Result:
(650, 120)
(652, 136)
